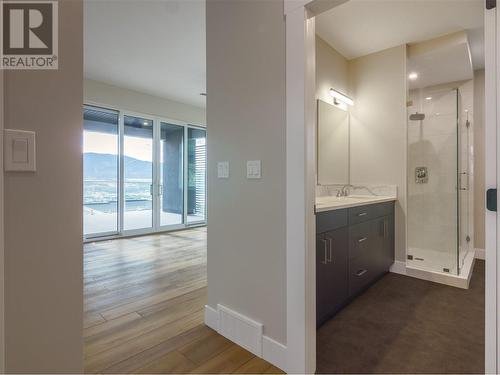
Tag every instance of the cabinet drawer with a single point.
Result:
(361, 239)
(368, 212)
(361, 273)
(330, 220)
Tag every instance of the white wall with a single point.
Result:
(43, 212)
(331, 71)
(95, 92)
(246, 117)
(378, 127)
(479, 186)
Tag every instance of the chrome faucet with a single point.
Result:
(344, 192)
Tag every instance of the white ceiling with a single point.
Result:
(151, 46)
(360, 27)
(445, 64)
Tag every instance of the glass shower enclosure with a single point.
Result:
(438, 181)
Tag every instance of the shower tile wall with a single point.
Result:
(432, 206)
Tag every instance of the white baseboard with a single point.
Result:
(398, 267)
(244, 331)
(274, 352)
(480, 254)
(247, 333)
(211, 318)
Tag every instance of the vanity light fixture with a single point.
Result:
(339, 98)
(413, 76)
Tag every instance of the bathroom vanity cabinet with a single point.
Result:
(354, 247)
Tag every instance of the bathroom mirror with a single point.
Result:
(332, 144)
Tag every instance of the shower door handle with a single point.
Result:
(491, 200)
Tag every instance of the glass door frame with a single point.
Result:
(186, 178)
(113, 233)
(122, 230)
(156, 200)
(185, 125)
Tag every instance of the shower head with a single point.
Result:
(417, 116)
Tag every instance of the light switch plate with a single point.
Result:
(223, 169)
(253, 169)
(20, 151)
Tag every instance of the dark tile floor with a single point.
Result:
(406, 325)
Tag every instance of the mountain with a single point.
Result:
(104, 167)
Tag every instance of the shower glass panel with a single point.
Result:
(465, 168)
(434, 178)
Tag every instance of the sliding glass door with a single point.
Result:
(137, 173)
(100, 172)
(171, 175)
(141, 174)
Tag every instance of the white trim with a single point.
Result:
(491, 146)
(398, 267)
(480, 254)
(2, 273)
(296, 180)
(211, 318)
(247, 333)
(240, 329)
(274, 352)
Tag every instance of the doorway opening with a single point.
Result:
(398, 222)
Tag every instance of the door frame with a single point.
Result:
(2, 272)
(492, 179)
(301, 170)
(301, 182)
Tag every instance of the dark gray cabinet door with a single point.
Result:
(384, 248)
(332, 288)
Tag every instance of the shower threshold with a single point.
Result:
(418, 269)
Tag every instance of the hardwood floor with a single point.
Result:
(144, 300)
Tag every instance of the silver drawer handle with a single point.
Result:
(361, 273)
(330, 248)
(362, 214)
(325, 259)
(363, 239)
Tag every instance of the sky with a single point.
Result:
(102, 143)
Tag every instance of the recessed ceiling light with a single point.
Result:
(428, 98)
(413, 76)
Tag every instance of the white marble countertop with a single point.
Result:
(328, 203)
